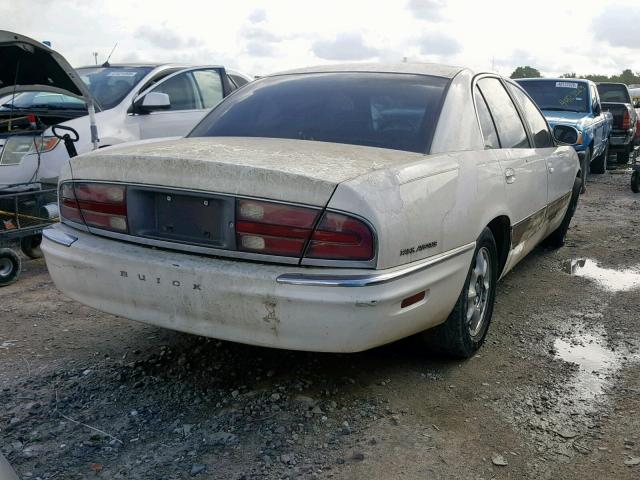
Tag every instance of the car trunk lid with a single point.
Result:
(296, 171)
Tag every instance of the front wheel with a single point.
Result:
(10, 266)
(464, 331)
(635, 181)
(599, 164)
(556, 238)
(586, 163)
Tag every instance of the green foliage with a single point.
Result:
(627, 76)
(525, 72)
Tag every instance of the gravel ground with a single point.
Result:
(554, 393)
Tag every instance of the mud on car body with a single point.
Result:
(329, 209)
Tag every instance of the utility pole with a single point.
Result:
(95, 57)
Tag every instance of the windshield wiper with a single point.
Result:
(558, 109)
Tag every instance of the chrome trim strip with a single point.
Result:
(59, 237)
(368, 279)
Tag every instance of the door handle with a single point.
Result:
(550, 168)
(510, 175)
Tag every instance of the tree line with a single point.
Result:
(627, 76)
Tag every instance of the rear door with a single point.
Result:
(524, 168)
(561, 164)
(192, 93)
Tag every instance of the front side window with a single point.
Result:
(510, 128)
(396, 111)
(537, 123)
(109, 85)
(182, 92)
(558, 95)
(210, 87)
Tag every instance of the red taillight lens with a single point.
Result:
(626, 120)
(273, 228)
(341, 237)
(98, 205)
(68, 204)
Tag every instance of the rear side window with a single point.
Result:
(210, 87)
(486, 122)
(396, 111)
(238, 80)
(510, 129)
(537, 123)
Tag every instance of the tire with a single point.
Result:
(30, 246)
(466, 327)
(635, 181)
(586, 163)
(623, 157)
(599, 164)
(556, 238)
(10, 266)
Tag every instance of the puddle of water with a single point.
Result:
(594, 359)
(609, 278)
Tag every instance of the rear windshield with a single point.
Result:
(397, 111)
(613, 93)
(558, 95)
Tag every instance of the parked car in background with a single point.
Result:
(616, 99)
(575, 102)
(332, 209)
(132, 102)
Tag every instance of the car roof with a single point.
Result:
(149, 65)
(551, 79)
(431, 69)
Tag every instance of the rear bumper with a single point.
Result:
(300, 308)
(620, 140)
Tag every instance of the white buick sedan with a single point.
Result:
(330, 209)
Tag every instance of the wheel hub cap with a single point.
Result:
(5, 267)
(478, 294)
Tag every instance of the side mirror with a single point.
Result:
(597, 110)
(152, 101)
(636, 104)
(566, 135)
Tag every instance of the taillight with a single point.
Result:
(285, 230)
(69, 209)
(341, 237)
(626, 120)
(273, 228)
(98, 205)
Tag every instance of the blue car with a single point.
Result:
(575, 102)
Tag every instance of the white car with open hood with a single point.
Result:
(329, 209)
(125, 102)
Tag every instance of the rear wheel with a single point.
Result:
(10, 266)
(556, 238)
(30, 246)
(635, 181)
(599, 164)
(623, 157)
(464, 331)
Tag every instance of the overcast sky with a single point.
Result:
(260, 37)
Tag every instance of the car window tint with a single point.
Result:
(510, 129)
(397, 111)
(238, 80)
(537, 123)
(614, 93)
(210, 86)
(486, 122)
(182, 92)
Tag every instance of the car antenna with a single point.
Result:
(106, 62)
